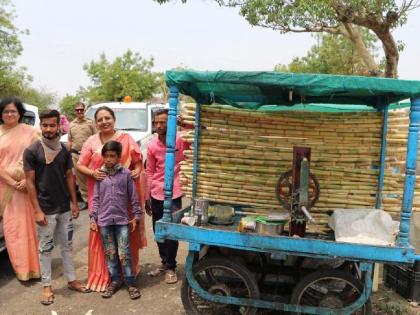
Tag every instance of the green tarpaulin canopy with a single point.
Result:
(252, 90)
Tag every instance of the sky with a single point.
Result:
(64, 35)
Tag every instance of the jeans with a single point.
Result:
(117, 252)
(62, 225)
(169, 248)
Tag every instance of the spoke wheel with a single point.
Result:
(284, 188)
(334, 289)
(220, 277)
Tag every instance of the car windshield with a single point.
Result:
(29, 118)
(126, 118)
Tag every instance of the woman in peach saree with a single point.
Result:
(90, 162)
(15, 206)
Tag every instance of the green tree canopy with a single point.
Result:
(129, 74)
(332, 54)
(67, 105)
(11, 80)
(344, 18)
(14, 80)
(38, 97)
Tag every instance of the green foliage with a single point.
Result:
(333, 17)
(127, 75)
(38, 97)
(10, 45)
(333, 54)
(67, 105)
(14, 80)
(310, 15)
(11, 80)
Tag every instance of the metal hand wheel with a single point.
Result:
(284, 189)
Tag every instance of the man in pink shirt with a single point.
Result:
(155, 170)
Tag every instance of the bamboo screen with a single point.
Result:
(243, 153)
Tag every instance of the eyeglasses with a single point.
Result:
(10, 112)
(79, 110)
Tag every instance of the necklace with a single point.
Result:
(106, 139)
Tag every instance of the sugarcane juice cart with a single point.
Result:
(219, 282)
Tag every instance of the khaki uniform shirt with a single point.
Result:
(79, 132)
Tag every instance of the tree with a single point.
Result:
(67, 105)
(10, 45)
(343, 18)
(126, 75)
(38, 97)
(11, 80)
(14, 80)
(332, 54)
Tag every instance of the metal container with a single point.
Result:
(200, 210)
(268, 228)
(221, 214)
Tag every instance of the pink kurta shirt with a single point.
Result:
(156, 168)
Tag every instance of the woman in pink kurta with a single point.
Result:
(15, 206)
(90, 162)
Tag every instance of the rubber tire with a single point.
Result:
(217, 261)
(317, 275)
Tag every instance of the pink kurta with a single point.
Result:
(90, 156)
(15, 206)
(155, 169)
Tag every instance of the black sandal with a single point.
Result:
(47, 299)
(110, 290)
(134, 293)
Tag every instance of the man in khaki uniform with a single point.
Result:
(80, 129)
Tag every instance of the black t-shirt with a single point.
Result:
(50, 180)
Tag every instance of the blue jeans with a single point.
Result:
(117, 253)
(60, 225)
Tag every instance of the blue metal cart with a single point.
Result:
(217, 283)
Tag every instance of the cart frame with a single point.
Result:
(402, 253)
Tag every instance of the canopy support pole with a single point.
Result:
(410, 173)
(384, 106)
(170, 152)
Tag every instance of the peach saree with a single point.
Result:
(15, 206)
(90, 156)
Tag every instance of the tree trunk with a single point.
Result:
(353, 34)
(391, 53)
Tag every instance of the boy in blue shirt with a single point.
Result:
(111, 198)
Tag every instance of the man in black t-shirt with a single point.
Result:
(50, 185)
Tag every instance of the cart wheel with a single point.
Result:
(334, 289)
(284, 189)
(221, 277)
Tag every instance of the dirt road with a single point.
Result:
(157, 297)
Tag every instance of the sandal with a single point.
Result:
(78, 287)
(110, 290)
(171, 277)
(134, 293)
(47, 299)
(157, 272)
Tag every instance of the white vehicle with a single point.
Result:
(31, 115)
(134, 118)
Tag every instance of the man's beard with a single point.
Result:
(50, 136)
